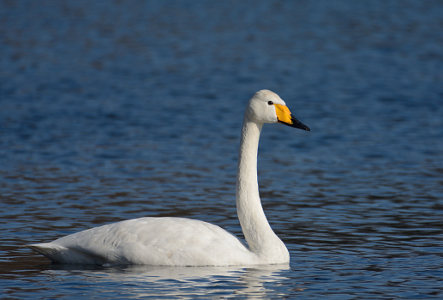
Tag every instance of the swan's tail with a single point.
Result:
(52, 251)
(60, 254)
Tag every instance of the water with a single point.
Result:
(116, 110)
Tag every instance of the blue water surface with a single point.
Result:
(112, 110)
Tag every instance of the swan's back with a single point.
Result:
(150, 241)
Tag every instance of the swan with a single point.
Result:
(171, 241)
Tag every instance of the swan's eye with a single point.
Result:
(270, 102)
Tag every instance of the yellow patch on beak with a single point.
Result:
(283, 113)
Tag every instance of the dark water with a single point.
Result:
(111, 110)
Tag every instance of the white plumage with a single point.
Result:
(186, 242)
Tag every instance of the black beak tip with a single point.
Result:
(297, 124)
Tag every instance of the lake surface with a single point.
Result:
(112, 110)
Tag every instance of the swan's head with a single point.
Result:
(267, 107)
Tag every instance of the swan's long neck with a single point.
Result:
(256, 229)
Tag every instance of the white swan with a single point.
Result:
(187, 242)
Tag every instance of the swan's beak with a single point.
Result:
(284, 116)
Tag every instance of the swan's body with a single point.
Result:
(187, 242)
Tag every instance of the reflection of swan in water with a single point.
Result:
(262, 281)
(187, 242)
